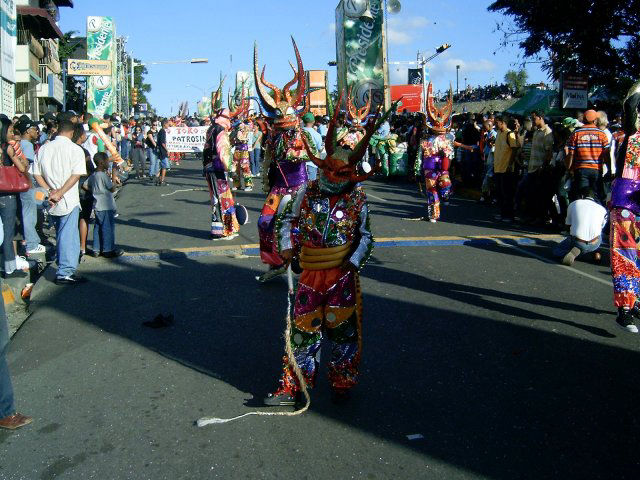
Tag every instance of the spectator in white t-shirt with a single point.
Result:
(59, 166)
(586, 218)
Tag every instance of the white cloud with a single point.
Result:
(401, 30)
(412, 23)
(398, 74)
(397, 37)
(466, 67)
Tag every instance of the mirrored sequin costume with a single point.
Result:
(284, 167)
(625, 210)
(327, 224)
(435, 152)
(216, 161)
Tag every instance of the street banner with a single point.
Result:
(8, 39)
(317, 79)
(81, 67)
(411, 97)
(186, 139)
(360, 52)
(101, 90)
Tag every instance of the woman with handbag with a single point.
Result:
(13, 168)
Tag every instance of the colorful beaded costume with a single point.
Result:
(435, 153)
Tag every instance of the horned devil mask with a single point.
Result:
(283, 107)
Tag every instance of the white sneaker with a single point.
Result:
(432, 220)
(22, 264)
(39, 249)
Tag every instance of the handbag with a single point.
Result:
(13, 181)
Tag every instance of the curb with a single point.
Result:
(382, 242)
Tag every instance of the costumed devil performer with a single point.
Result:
(327, 226)
(434, 154)
(284, 167)
(240, 139)
(625, 219)
(217, 159)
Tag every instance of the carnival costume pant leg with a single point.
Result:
(223, 210)
(625, 229)
(431, 189)
(328, 304)
(266, 227)
(444, 186)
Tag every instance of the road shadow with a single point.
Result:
(490, 397)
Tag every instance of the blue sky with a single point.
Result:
(217, 30)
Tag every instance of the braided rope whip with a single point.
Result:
(292, 360)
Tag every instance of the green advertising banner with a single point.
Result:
(101, 89)
(360, 51)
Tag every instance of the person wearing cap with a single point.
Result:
(588, 150)
(309, 120)
(28, 132)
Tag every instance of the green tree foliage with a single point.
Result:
(76, 86)
(516, 80)
(138, 78)
(595, 37)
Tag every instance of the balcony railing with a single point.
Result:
(35, 47)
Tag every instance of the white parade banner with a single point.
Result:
(186, 139)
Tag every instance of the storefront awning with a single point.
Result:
(38, 21)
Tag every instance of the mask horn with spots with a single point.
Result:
(341, 164)
(439, 119)
(358, 115)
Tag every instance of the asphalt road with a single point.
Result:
(508, 365)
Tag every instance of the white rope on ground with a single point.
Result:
(198, 189)
(204, 421)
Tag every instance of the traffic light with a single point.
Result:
(134, 96)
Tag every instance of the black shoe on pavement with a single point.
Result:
(160, 321)
(281, 399)
(635, 311)
(92, 253)
(70, 280)
(340, 396)
(625, 321)
(15, 274)
(118, 252)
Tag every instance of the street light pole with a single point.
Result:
(457, 79)
(164, 62)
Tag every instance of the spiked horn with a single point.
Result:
(332, 144)
(312, 157)
(267, 99)
(301, 76)
(371, 128)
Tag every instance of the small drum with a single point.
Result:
(241, 214)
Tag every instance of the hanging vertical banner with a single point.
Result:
(249, 89)
(360, 51)
(8, 39)
(101, 94)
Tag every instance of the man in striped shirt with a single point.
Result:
(588, 150)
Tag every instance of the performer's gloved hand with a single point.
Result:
(287, 255)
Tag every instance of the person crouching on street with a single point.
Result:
(102, 187)
(587, 218)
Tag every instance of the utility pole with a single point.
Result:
(457, 79)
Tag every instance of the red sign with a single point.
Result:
(411, 97)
